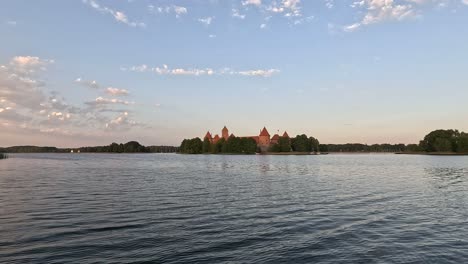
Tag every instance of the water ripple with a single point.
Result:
(91, 208)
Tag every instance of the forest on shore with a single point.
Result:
(129, 147)
(437, 141)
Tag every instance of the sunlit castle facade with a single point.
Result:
(264, 140)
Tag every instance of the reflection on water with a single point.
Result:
(161, 208)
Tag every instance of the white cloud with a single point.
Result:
(252, 2)
(290, 8)
(123, 122)
(262, 73)
(166, 70)
(118, 15)
(28, 107)
(237, 14)
(352, 27)
(12, 23)
(177, 10)
(377, 11)
(87, 83)
(207, 20)
(59, 116)
(116, 91)
(118, 121)
(108, 101)
(29, 63)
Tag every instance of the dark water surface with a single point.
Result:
(167, 208)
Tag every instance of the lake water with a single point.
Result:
(168, 208)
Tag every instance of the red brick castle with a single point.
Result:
(263, 139)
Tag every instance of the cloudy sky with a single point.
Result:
(90, 72)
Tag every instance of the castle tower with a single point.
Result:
(225, 133)
(216, 139)
(264, 139)
(208, 136)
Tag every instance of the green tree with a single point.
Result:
(300, 143)
(462, 144)
(191, 146)
(233, 145)
(442, 145)
(274, 148)
(314, 144)
(284, 144)
(413, 148)
(206, 146)
(440, 140)
(248, 145)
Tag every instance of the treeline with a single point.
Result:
(31, 149)
(129, 147)
(233, 145)
(163, 149)
(364, 148)
(445, 141)
(300, 143)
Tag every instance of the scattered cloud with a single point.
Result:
(123, 122)
(289, 8)
(172, 9)
(29, 63)
(28, 106)
(119, 16)
(108, 101)
(262, 73)
(377, 11)
(11, 23)
(166, 70)
(237, 14)
(87, 83)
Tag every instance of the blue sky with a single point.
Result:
(91, 72)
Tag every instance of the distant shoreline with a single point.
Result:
(291, 153)
(433, 153)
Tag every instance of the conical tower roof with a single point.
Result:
(264, 132)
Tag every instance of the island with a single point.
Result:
(263, 143)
